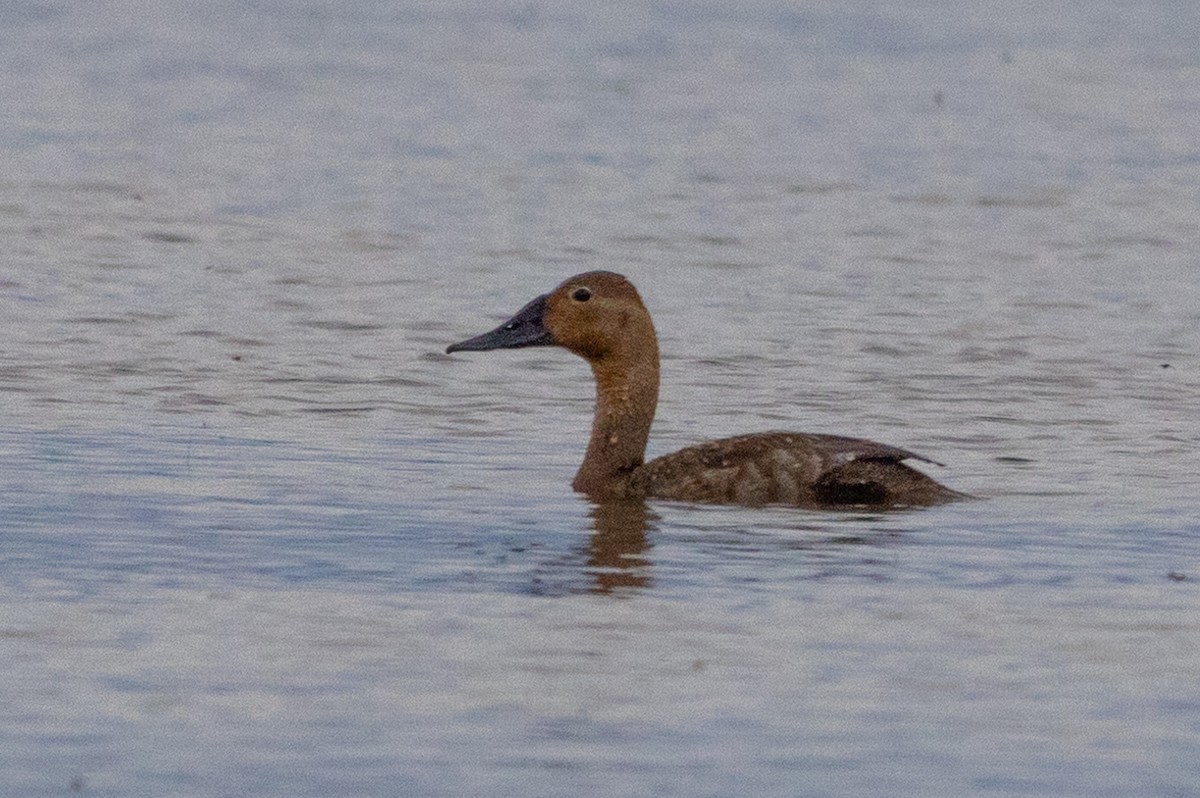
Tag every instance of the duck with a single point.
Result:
(599, 316)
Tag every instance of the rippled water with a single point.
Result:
(260, 537)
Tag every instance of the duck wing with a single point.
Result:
(794, 468)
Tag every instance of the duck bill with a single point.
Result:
(527, 328)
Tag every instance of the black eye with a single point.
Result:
(581, 295)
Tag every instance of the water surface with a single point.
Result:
(261, 537)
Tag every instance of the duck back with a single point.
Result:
(798, 469)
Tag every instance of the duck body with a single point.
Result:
(791, 468)
(600, 317)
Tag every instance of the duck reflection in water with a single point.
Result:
(600, 317)
(617, 552)
(617, 559)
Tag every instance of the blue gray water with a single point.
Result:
(259, 536)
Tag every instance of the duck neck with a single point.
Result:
(626, 397)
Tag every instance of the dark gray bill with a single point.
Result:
(524, 329)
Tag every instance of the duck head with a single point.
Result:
(594, 314)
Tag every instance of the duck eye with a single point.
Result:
(581, 295)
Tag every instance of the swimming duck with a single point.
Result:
(600, 317)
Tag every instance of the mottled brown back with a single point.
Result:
(797, 469)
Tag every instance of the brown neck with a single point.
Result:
(626, 396)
